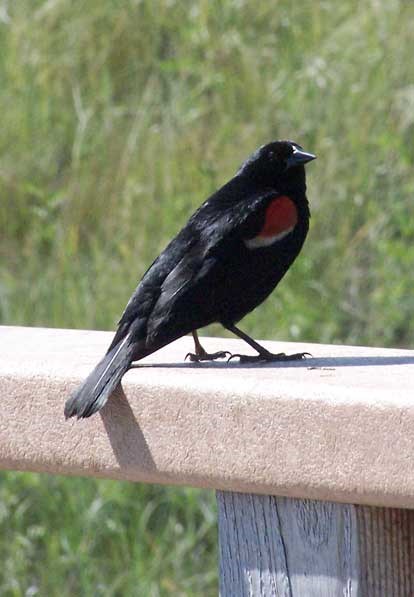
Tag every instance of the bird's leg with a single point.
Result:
(264, 355)
(201, 355)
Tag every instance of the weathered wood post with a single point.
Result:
(286, 547)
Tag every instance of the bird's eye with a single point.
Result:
(271, 154)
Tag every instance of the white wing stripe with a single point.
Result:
(265, 241)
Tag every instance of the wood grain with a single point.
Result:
(386, 540)
(285, 547)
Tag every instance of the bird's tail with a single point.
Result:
(99, 385)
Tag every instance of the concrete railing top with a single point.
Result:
(339, 426)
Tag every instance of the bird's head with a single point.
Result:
(276, 163)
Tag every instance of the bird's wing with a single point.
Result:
(218, 236)
(147, 292)
(211, 235)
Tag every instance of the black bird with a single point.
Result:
(226, 260)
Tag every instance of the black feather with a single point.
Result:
(99, 385)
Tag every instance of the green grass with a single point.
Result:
(84, 537)
(117, 120)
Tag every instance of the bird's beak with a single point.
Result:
(299, 157)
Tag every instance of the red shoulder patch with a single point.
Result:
(280, 219)
(281, 216)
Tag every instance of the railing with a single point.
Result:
(335, 428)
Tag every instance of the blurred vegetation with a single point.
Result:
(117, 120)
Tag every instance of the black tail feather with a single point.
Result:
(99, 385)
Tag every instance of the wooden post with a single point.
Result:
(284, 547)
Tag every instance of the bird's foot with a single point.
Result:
(197, 357)
(270, 357)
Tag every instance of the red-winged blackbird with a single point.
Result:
(226, 260)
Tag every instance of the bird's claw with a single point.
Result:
(205, 356)
(269, 357)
